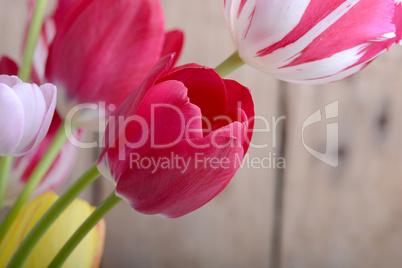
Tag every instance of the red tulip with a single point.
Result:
(8, 66)
(313, 41)
(173, 44)
(103, 50)
(177, 141)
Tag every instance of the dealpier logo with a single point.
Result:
(202, 161)
(330, 156)
(326, 117)
(271, 161)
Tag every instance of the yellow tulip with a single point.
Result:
(87, 254)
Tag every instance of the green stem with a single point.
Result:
(32, 39)
(24, 74)
(229, 65)
(5, 166)
(39, 172)
(109, 203)
(51, 215)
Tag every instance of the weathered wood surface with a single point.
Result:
(348, 216)
(344, 216)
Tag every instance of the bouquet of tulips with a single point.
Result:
(173, 136)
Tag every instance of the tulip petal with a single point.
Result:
(332, 78)
(165, 109)
(173, 44)
(12, 118)
(133, 102)
(128, 108)
(49, 92)
(171, 113)
(39, 105)
(34, 109)
(202, 83)
(308, 28)
(188, 181)
(371, 19)
(240, 101)
(110, 59)
(8, 66)
(10, 81)
(64, 7)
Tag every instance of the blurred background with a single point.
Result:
(296, 211)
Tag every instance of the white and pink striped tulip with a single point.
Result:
(313, 41)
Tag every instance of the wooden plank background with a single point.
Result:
(306, 215)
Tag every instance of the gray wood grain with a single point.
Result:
(348, 216)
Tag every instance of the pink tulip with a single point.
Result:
(178, 139)
(26, 112)
(103, 50)
(23, 166)
(313, 41)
